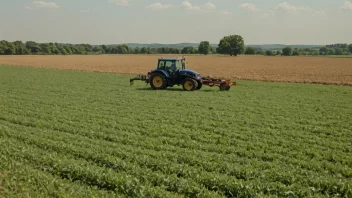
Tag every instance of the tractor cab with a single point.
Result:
(170, 65)
(175, 68)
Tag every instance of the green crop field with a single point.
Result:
(81, 134)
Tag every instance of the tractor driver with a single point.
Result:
(170, 68)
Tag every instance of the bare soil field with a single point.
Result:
(322, 70)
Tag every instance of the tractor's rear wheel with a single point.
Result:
(158, 81)
(189, 84)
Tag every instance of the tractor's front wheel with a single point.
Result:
(189, 84)
(158, 81)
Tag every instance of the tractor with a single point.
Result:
(172, 71)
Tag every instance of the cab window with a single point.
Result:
(170, 66)
(161, 65)
(178, 65)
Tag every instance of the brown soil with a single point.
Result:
(322, 70)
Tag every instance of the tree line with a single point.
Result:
(31, 47)
(334, 49)
(232, 45)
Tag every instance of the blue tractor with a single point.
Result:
(172, 71)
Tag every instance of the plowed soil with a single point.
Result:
(323, 70)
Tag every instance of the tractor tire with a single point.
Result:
(189, 84)
(158, 81)
(200, 84)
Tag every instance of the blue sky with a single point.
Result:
(175, 21)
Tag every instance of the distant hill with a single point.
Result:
(195, 45)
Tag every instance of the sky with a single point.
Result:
(176, 21)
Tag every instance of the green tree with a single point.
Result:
(98, 49)
(306, 51)
(104, 47)
(87, 47)
(114, 50)
(62, 50)
(188, 50)
(315, 52)
(68, 49)
(324, 50)
(231, 45)
(122, 49)
(177, 51)
(81, 49)
(204, 47)
(331, 51)
(20, 48)
(250, 51)
(30, 44)
(108, 50)
(153, 51)
(10, 48)
(148, 50)
(45, 48)
(137, 50)
(287, 51)
(295, 53)
(54, 49)
(278, 53)
(269, 53)
(260, 52)
(339, 51)
(350, 47)
(35, 49)
(2, 49)
(143, 50)
(75, 49)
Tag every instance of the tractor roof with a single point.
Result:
(170, 59)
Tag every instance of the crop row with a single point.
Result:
(37, 183)
(124, 120)
(82, 171)
(248, 150)
(323, 184)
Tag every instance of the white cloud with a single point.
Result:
(187, 5)
(120, 2)
(225, 12)
(209, 6)
(285, 7)
(206, 7)
(249, 7)
(159, 6)
(42, 4)
(347, 6)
